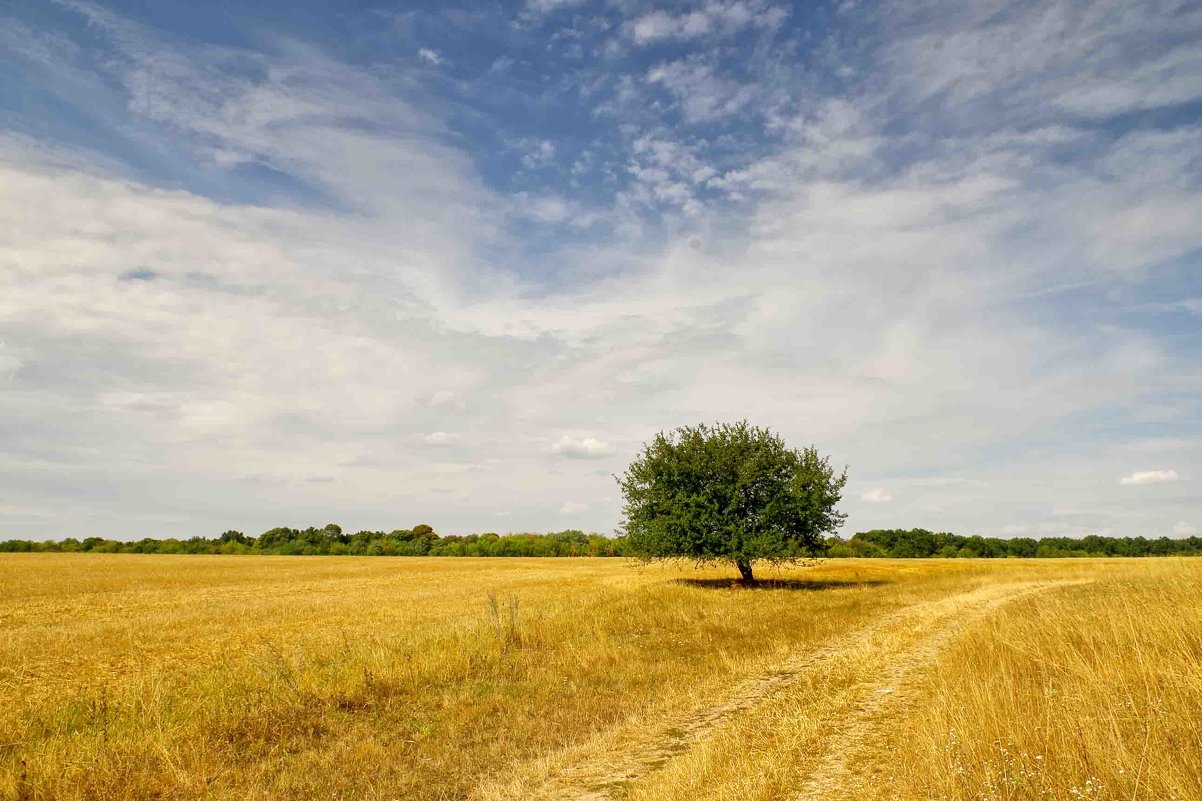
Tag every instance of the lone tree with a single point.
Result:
(730, 492)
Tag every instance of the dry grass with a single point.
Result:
(285, 677)
(1087, 692)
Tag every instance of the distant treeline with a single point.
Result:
(421, 540)
(918, 543)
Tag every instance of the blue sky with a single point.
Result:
(269, 263)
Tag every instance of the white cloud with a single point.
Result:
(549, 209)
(573, 508)
(1183, 529)
(1041, 60)
(876, 495)
(430, 56)
(535, 11)
(1149, 477)
(298, 341)
(550, 6)
(581, 448)
(702, 94)
(538, 153)
(713, 18)
(441, 439)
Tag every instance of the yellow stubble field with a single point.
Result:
(190, 677)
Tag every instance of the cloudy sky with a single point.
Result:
(285, 263)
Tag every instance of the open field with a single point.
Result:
(285, 677)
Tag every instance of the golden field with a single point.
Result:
(133, 677)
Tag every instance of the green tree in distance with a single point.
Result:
(729, 493)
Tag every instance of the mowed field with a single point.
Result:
(135, 677)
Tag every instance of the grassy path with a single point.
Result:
(836, 776)
(287, 679)
(613, 763)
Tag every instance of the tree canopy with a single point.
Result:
(729, 492)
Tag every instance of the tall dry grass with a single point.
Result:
(1087, 692)
(1083, 690)
(183, 677)
(283, 677)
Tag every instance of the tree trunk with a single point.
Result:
(744, 566)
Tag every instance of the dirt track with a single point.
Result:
(899, 645)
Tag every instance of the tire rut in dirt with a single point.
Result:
(609, 779)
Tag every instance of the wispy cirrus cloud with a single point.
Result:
(1031, 61)
(872, 259)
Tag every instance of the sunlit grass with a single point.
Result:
(1090, 691)
(262, 677)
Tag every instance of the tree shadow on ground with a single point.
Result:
(803, 585)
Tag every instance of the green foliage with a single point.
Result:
(920, 543)
(421, 540)
(232, 536)
(730, 492)
(895, 543)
